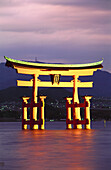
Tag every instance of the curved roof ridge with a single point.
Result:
(39, 64)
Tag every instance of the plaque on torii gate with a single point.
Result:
(55, 71)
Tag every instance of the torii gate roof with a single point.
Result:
(10, 62)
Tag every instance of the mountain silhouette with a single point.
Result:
(101, 79)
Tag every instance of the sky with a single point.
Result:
(56, 31)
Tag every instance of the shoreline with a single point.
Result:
(19, 120)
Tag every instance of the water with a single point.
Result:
(55, 149)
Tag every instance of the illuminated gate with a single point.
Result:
(55, 71)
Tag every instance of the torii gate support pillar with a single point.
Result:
(87, 112)
(24, 111)
(42, 117)
(68, 112)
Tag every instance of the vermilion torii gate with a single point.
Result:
(55, 71)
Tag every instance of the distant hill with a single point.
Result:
(56, 93)
(101, 79)
(15, 93)
(102, 84)
(8, 76)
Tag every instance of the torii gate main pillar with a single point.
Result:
(34, 98)
(76, 111)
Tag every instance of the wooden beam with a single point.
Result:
(85, 84)
(49, 84)
(79, 72)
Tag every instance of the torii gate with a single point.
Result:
(55, 71)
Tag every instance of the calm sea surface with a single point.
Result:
(55, 147)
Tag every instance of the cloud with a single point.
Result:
(9, 3)
(98, 4)
(45, 19)
(70, 30)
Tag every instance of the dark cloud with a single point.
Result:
(96, 23)
(98, 4)
(16, 20)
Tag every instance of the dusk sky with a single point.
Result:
(61, 31)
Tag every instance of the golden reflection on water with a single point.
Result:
(57, 149)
